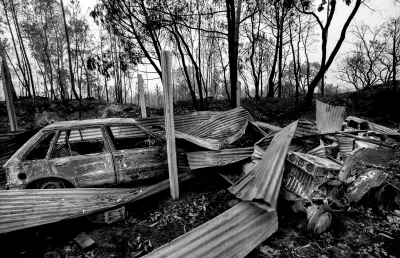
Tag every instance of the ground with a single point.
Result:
(367, 232)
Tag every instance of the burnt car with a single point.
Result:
(88, 153)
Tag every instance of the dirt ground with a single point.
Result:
(362, 230)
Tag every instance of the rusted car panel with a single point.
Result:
(141, 163)
(85, 170)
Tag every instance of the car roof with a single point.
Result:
(90, 122)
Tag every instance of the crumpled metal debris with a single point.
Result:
(340, 168)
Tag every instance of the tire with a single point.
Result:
(51, 184)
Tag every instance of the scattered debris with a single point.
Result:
(108, 217)
(84, 241)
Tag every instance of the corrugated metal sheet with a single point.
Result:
(373, 126)
(202, 159)
(220, 130)
(306, 128)
(21, 209)
(329, 118)
(234, 233)
(183, 123)
(346, 145)
(264, 182)
(223, 125)
(319, 151)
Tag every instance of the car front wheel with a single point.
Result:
(51, 184)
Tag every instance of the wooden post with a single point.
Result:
(169, 123)
(238, 93)
(141, 95)
(7, 93)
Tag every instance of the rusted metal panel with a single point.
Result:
(369, 179)
(329, 118)
(27, 208)
(264, 182)
(234, 233)
(371, 126)
(202, 159)
(378, 157)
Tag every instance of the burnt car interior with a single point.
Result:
(78, 142)
(123, 138)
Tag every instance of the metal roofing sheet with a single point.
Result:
(21, 209)
(263, 183)
(329, 118)
(319, 151)
(306, 128)
(223, 125)
(89, 122)
(202, 159)
(234, 233)
(346, 145)
(219, 131)
(183, 123)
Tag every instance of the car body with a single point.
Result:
(88, 153)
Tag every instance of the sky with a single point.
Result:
(376, 13)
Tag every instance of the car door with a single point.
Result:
(82, 155)
(33, 163)
(137, 155)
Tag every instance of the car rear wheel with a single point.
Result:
(51, 184)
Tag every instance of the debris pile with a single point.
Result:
(331, 164)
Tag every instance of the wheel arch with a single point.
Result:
(34, 183)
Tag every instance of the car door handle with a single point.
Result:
(61, 163)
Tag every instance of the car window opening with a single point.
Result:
(40, 150)
(79, 142)
(126, 137)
